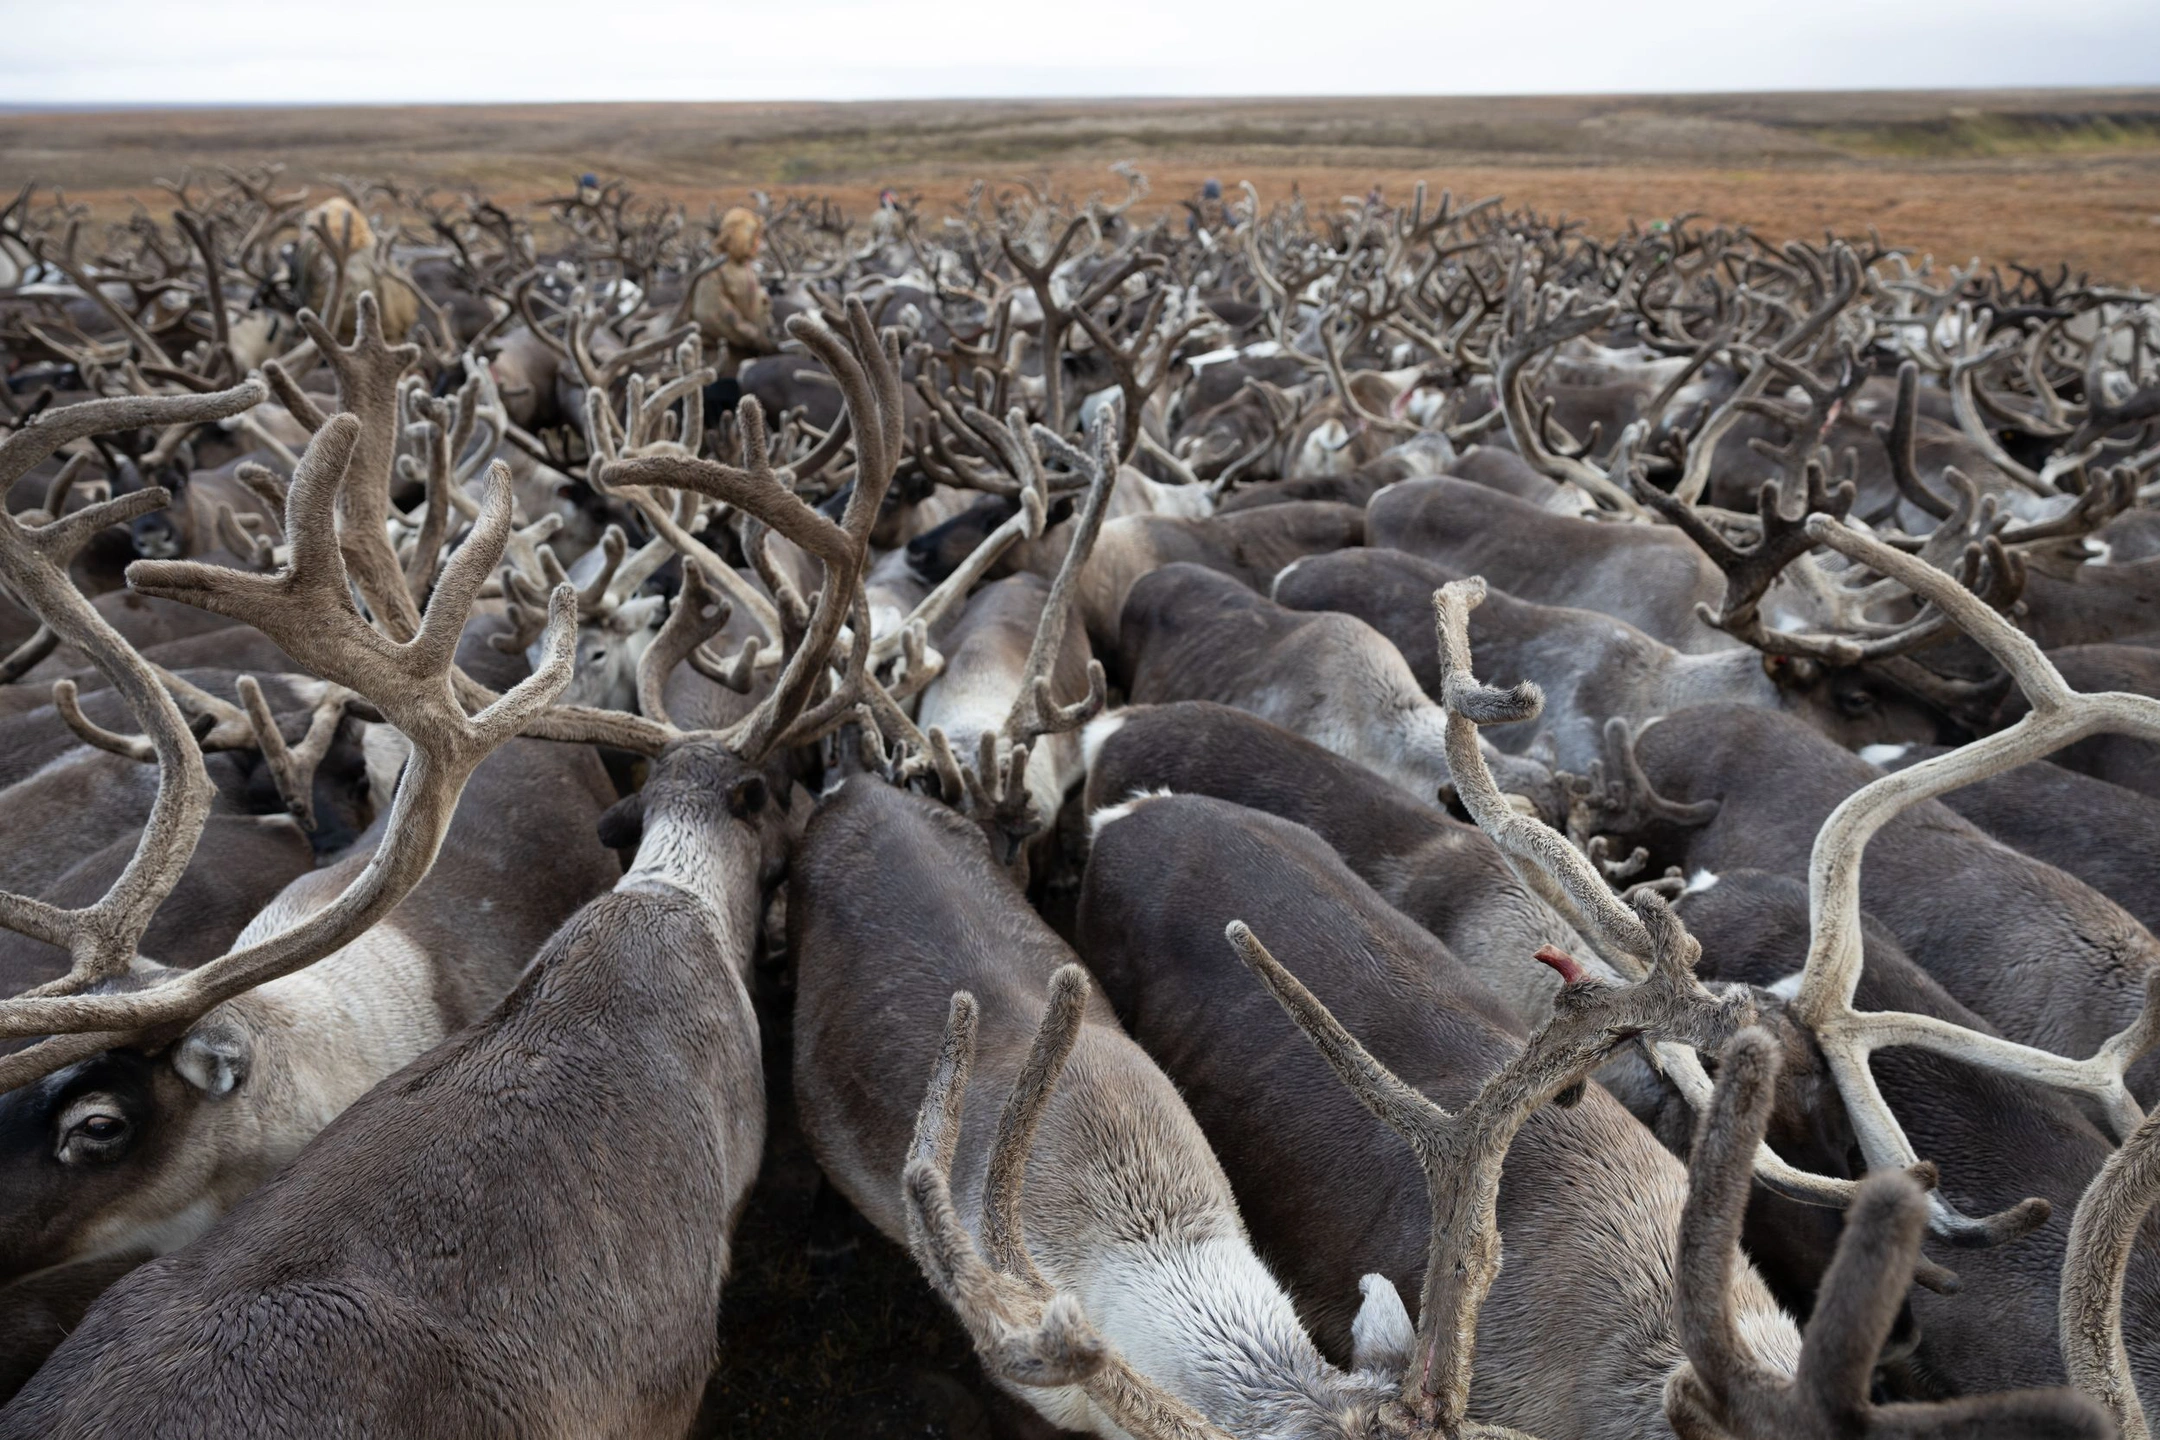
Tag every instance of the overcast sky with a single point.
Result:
(233, 51)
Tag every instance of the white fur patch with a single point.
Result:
(1787, 988)
(1769, 1334)
(1275, 585)
(1381, 1337)
(1097, 734)
(1698, 882)
(2097, 550)
(1112, 813)
(1883, 754)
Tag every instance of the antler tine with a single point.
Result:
(293, 767)
(1033, 712)
(63, 484)
(1723, 1394)
(266, 486)
(1728, 1133)
(1461, 1154)
(101, 939)
(2102, 1235)
(69, 707)
(613, 544)
(1831, 975)
(1002, 1232)
(1897, 441)
(1024, 1332)
(435, 508)
(700, 611)
(307, 609)
(367, 374)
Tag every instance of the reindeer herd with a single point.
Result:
(1378, 820)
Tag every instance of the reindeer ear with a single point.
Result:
(622, 825)
(1791, 672)
(1381, 1337)
(215, 1055)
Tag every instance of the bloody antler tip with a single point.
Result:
(1571, 971)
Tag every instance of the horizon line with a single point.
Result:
(117, 106)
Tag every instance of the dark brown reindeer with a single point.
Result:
(1191, 633)
(1996, 1139)
(1593, 668)
(2084, 1006)
(1329, 1196)
(1647, 575)
(1445, 875)
(1976, 938)
(1115, 1288)
(2106, 835)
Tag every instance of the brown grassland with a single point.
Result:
(2037, 177)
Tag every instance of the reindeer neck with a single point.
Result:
(1203, 1318)
(713, 858)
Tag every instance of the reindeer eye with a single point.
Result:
(1856, 702)
(93, 1129)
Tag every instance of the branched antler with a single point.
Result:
(1831, 975)
(1562, 875)
(1722, 1394)
(307, 608)
(1024, 1331)
(1461, 1153)
(101, 939)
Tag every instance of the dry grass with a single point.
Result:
(2038, 177)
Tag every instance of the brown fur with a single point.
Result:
(523, 1233)
(1589, 1203)
(897, 905)
(1591, 667)
(1724, 1395)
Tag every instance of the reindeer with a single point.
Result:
(1594, 668)
(1649, 576)
(1441, 873)
(1191, 633)
(463, 1324)
(2000, 1139)
(168, 1103)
